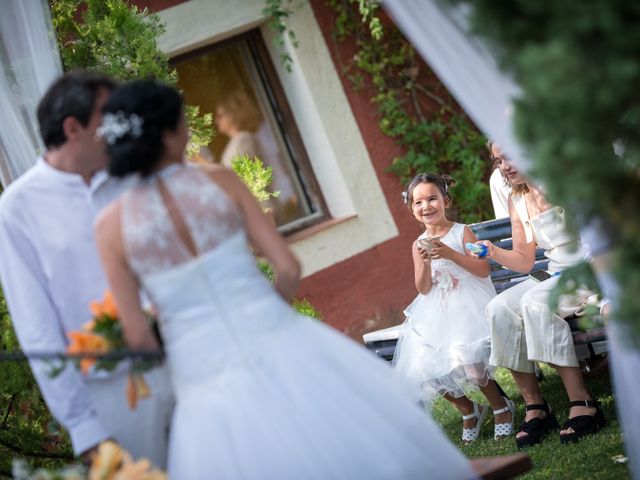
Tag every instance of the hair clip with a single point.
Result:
(405, 197)
(116, 125)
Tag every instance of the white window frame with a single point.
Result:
(360, 216)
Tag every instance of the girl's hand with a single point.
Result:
(424, 254)
(440, 250)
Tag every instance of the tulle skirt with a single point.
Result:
(445, 342)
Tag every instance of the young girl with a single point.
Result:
(444, 344)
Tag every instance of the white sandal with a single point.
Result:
(501, 430)
(479, 413)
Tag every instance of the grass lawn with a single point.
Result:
(591, 458)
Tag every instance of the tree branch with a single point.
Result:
(432, 96)
(18, 450)
(416, 104)
(9, 407)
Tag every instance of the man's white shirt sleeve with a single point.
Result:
(40, 330)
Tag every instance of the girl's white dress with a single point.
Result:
(263, 392)
(445, 341)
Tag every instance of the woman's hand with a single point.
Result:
(486, 243)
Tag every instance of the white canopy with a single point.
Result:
(29, 62)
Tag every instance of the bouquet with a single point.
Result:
(110, 462)
(100, 345)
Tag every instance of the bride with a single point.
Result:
(262, 392)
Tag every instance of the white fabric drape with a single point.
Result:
(441, 35)
(624, 358)
(29, 62)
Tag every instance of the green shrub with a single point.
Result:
(255, 176)
(27, 429)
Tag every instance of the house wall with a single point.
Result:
(358, 270)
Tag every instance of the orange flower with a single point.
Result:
(112, 462)
(86, 342)
(86, 364)
(137, 388)
(107, 307)
(107, 460)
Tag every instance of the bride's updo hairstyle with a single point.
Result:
(134, 118)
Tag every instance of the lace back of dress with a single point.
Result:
(150, 236)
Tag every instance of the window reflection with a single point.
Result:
(226, 81)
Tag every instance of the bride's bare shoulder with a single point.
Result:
(107, 222)
(222, 175)
(212, 167)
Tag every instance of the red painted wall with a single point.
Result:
(369, 290)
(155, 5)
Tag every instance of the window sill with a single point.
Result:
(317, 228)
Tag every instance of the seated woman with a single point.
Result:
(523, 328)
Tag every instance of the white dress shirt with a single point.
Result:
(50, 272)
(500, 192)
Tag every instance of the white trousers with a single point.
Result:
(524, 330)
(143, 432)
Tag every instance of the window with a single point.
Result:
(236, 82)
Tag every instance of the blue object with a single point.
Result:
(480, 249)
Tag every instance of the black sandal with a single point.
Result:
(537, 428)
(583, 424)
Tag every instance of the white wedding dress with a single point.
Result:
(263, 392)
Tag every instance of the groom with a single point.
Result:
(50, 272)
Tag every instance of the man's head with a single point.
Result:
(69, 113)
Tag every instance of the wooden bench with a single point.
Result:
(590, 344)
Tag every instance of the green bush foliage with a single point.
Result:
(255, 176)
(27, 430)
